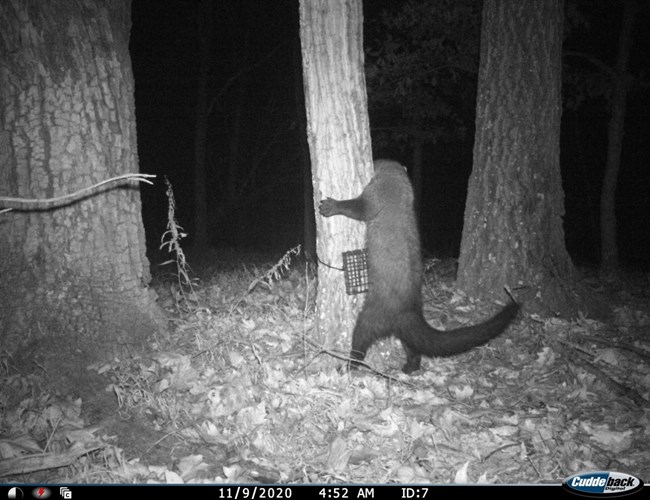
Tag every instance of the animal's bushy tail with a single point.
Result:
(426, 340)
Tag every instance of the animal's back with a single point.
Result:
(395, 265)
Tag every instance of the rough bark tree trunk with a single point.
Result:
(73, 278)
(339, 141)
(513, 232)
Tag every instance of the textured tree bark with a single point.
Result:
(308, 219)
(74, 278)
(339, 141)
(513, 232)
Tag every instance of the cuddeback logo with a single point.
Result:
(595, 484)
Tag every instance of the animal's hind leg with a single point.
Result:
(369, 327)
(412, 359)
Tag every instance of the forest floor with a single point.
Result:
(238, 394)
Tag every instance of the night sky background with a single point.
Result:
(164, 50)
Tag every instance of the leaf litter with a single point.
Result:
(236, 395)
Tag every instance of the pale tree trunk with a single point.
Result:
(205, 22)
(339, 142)
(608, 244)
(513, 232)
(73, 278)
(308, 221)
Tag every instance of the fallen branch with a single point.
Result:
(580, 359)
(44, 461)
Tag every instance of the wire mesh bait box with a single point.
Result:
(355, 271)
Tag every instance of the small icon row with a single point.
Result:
(40, 492)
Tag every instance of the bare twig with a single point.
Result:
(642, 353)
(41, 204)
(347, 359)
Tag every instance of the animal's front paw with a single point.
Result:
(327, 207)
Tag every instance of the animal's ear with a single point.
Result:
(383, 161)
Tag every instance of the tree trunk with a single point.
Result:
(416, 167)
(339, 142)
(586, 181)
(204, 21)
(513, 230)
(73, 278)
(232, 215)
(309, 221)
(608, 245)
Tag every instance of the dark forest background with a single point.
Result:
(256, 129)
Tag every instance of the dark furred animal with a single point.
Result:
(393, 305)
